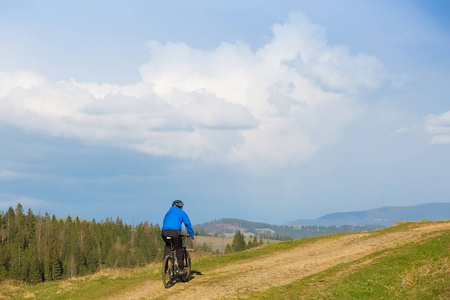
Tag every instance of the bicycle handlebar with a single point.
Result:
(187, 236)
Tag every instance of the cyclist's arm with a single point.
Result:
(187, 224)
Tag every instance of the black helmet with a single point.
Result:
(178, 203)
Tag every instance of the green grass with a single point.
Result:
(413, 271)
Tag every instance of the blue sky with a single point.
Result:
(266, 111)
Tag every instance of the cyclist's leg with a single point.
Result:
(178, 244)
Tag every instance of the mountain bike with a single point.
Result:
(170, 265)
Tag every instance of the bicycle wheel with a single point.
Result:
(167, 271)
(187, 266)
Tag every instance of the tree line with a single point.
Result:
(37, 248)
(238, 244)
(276, 232)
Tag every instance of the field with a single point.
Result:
(406, 261)
(220, 243)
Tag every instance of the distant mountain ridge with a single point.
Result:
(382, 217)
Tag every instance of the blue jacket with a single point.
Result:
(174, 218)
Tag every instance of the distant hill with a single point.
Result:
(230, 226)
(383, 217)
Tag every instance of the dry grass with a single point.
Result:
(10, 287)
(29, 295)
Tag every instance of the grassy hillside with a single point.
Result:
(407, 261)
(413, 271)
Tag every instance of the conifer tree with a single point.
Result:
(228, 249)
(10, 225)
(35, 273)
(255, 241)
(238, 243)
(91, 253)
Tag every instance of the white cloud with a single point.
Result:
(439, 127)
(275, 106)
(17, 80)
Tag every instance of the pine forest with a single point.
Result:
(36, 248)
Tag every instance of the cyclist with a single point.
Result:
(172, 224)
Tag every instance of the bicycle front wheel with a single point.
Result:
(187, 266)
(168, 270)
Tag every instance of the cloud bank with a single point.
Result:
(275, 106)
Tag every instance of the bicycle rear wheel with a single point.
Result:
(187, 266)
(168, 270)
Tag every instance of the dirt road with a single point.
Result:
(283, 267)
